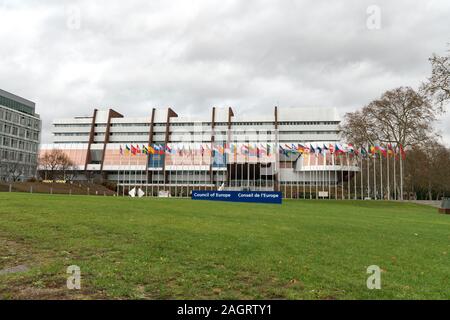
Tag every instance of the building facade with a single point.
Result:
(165, 153)
(20, 129)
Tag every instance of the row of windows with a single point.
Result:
(9, 103)
(18, 144)
(208, 124)
(70, 134)
(17, 156)
(310, 132)
(19, 119)
(144, 141)
(130, 124)
(178, 135)
(308, 123)
(19, 132)
(71, 125)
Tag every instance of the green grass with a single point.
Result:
(178, 249)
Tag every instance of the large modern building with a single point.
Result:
(164, 153)
(20, 128)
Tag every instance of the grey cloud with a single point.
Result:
(133, 55)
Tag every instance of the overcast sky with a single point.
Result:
(72, 56)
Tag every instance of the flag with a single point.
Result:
(350, 148)
(121, 150)
(133, 150)
(319, 149)
(338, 150)
(127, 149)
(300, 148)
(144, 149)
(161, 149)
(382, 151)
(331, 148)
(390, 151)
(363, 152)
(402, 152)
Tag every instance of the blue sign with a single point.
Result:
(238, 196)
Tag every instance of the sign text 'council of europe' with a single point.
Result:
(238, 196)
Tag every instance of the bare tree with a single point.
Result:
(15, 171)
(401, 116)
(55, 164)
(437, 87)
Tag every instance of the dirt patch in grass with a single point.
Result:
(20, 276)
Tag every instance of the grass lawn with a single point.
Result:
(180, 249)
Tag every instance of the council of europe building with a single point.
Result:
(216, 150)
(20, 128)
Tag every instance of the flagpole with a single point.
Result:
(146, 172)
(361, 175)
(297, 192)
(342, 178)
(135, 171)
(152, 166)
(123, 183)
(348, 177)
(121, 167)
(142, 176)
(329, 175)
(375, 196)
(265, 166)
(310, 177)
(335, 175)
(129, 170)
(321, 171)
(388, 175)
(236, 168)
(175, 165)
(381, 176)
(182, 153)
(189, 159)
(304, 179)
(395, 175)
(368, 175)
(401, 172)
(316, 178)
(118, 172)
(355, 178)
(254, 168)
(203, 160)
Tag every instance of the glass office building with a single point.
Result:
(20, 129)
(217, 150)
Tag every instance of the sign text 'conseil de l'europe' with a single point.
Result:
(238, 196)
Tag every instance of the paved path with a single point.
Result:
(433, 203)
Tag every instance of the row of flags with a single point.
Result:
(203, 149)
(259, 150)
(345, 149)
